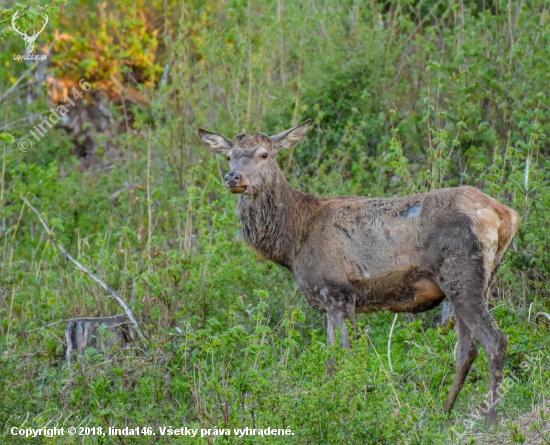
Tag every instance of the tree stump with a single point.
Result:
(83, 333)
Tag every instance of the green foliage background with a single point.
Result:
(406, 96)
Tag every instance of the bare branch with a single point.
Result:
(10, 89)
(542, 314)
(81, 267)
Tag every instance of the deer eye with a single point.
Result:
(264, 155)
(228, 158)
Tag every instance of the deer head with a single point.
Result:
(29, 40)
(252, 159)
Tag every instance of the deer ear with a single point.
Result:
(214, 142)
(292, 137)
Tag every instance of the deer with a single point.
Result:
(351, 254)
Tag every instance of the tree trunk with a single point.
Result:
(84, 333)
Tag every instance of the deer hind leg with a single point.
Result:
(466, 354)
(470, 308)
(480, 322)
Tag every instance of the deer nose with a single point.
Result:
(233, 179)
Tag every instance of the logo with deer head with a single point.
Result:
(29, 40)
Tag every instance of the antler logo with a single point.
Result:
(29, 40)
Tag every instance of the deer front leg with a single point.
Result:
(336, 318)
(331, 365)
(331, 337)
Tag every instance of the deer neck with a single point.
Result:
(273, 220)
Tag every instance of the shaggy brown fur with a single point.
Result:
(353, 254)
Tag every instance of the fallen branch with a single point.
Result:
(81, 267)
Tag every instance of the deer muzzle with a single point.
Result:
(235, 182)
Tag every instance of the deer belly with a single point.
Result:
(404, 292)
